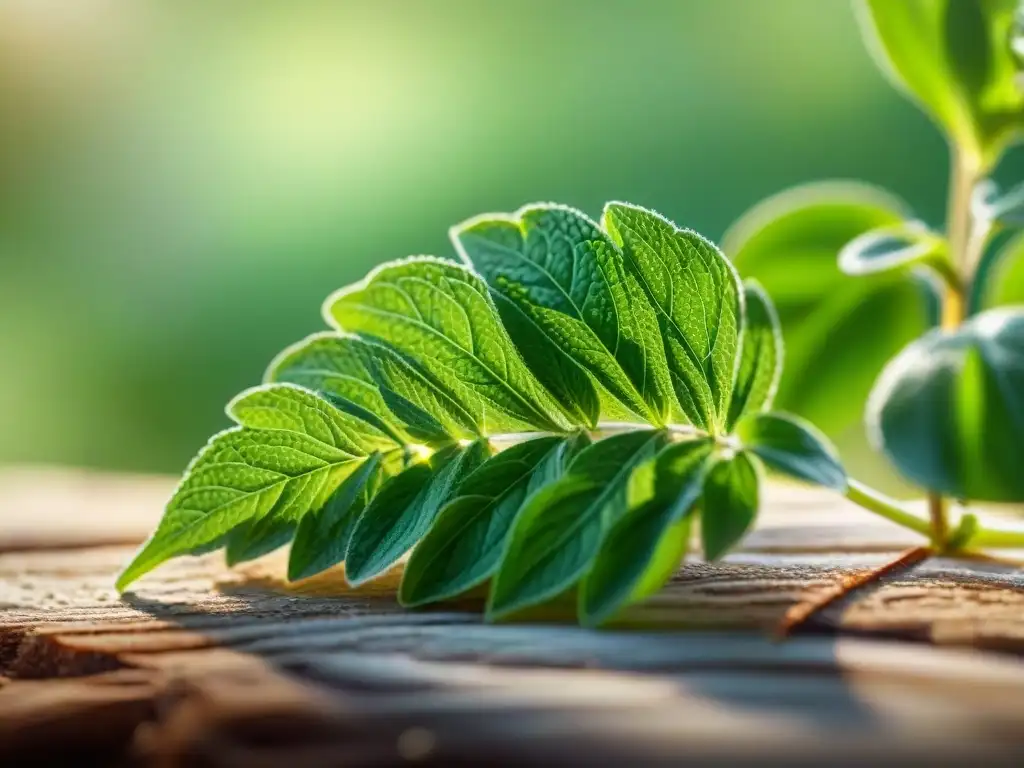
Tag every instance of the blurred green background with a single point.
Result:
(182, 183)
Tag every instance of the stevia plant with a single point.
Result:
(558, 409)
(552, 413)
(948, 409)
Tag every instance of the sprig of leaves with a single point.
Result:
(626, 364)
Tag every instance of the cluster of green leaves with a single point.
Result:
(940, 393)
(623, 366)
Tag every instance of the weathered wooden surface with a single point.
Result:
(199, 665)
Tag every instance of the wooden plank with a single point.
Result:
(202, 664)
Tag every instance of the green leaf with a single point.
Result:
(955, 59)
(564, 280)
(698, 297)
(256, 473)
(988, 204)
(405, 509)
(730, 504)
(284, 406)
(1001, 282)
(896, 246)
(294, 409)
(374, 378)
(464, 547)
(440, 315)
(838, 332)
(321, 539)
(644, 548)
(256, 538)
(794, 447)
(761, 355)
(949, 410)
(559, 531)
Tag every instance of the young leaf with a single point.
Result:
(644, 548)
(1001, 282)
(246, 474)
(760, 367)
(988, 204)
(559, 531)
(563, 279)
(440, 315)
(794, 447)
(955, 59)
(730, 504)
(374, 378)
(464, 547)
(838, 332)
(699, 298)
(321, 539)
(904, 245)
(405, 509)
(949, 410)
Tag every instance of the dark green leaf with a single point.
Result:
(404, 510)
(464, 547)
(644, 548)
(949, 410)
(838, 332)
(794, 447)
(440, 315)
(697, 293)
(730, 504)
(321, 540)
(564, 280)
(558, 532)
(761, 355)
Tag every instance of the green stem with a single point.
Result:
(986, 538)
(883, 506)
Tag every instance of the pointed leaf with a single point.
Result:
(321, 539)
(564, 279)
(378, 380)
(644, 548)
(949, 410)
(464, 547)
(730, 504)
(241, 475)
(698, 295)
(761, 355)
(405, 508)
(794, 447)
(440, 315)
(291, 408)
(559, 531)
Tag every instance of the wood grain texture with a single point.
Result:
(201, 665)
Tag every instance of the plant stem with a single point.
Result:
(986, 538)
(885, 507)
(959, 225)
